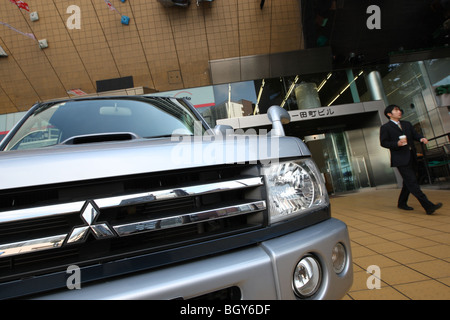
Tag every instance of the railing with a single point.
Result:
(438, 152)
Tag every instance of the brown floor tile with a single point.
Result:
(377, 260)
(369, 239)
(409, 256)
(424, 232)
(400, 274)
(356, 234)
(416, 243)
(425, 290)
(357, 268)
(411, 249)
(445, 281)
(360, 251)
(441, 237)
(440, 251)
(444, 227)
(385, 293)
(386, 247)
(359, 281)
(434, 268)
(396, 235)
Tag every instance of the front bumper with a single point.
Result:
(263, 271)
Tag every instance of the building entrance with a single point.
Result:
(343, 140)
(341, 170)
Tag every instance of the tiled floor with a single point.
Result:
(409, 249)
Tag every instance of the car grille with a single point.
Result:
(44, 230)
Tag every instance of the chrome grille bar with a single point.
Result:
(190, 218)
(178, 193)
(40, 212)
(34, 245)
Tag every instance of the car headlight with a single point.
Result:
(294, 188)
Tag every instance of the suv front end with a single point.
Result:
(185, 217)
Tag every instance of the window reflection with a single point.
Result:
(404, 84)
(292, 93)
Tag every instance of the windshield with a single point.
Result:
(147, 118)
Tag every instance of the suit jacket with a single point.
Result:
(389, 133)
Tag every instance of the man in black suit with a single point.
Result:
(403, 156)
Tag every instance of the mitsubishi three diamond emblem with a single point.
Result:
(89, 214)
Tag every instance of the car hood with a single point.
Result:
(68, 163)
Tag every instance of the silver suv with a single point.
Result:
(137, 197)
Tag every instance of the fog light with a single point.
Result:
(339, 257)
(307, 277)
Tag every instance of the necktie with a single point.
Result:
(399, 125)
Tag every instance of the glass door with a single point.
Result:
(333, 157)
(339, 162)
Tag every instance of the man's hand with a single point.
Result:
(424, 140)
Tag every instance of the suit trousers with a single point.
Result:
(410, 185)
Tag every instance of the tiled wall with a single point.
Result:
(162, 48)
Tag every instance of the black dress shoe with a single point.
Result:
(434, 208)
(405, 207)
